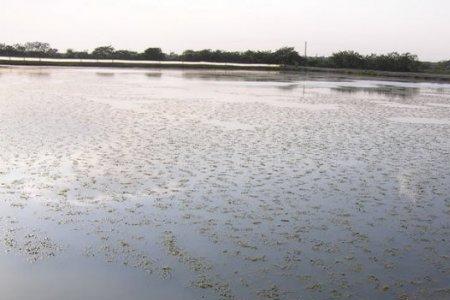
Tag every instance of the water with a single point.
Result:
(249, 185)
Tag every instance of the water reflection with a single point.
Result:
(268, 76)
(383, 90)
(105, 74)
(236, 76)
(37, 74)
(154, 74)
(288, 87)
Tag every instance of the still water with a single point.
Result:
(132, 184)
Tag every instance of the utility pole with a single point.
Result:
(306, 49)
(306, 53)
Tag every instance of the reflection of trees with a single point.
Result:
(231, 76)
(288, 87)
(255, 76)
(105, 74)
(384, 90)
(153, 75)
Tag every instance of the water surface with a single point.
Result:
(172, 184)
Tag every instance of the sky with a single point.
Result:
(421, 27)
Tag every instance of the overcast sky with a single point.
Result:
(378, 26)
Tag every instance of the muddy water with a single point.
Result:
(131, 184)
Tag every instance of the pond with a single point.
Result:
(191, 184)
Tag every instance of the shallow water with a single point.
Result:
(179, 184)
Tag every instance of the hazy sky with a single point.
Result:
(418, 26)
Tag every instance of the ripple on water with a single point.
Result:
(400, 105)
(412, 120)
(439, 105)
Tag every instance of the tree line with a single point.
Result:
(394, 61)
(284, 56)
(405, 62)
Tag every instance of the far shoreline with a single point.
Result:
(402, 76)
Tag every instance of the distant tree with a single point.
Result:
(70, 53)
(3, 49)
(20, 49)
(125, 54)
(154, 54)
(38, 49)
(7, 50)
(443, 66)
(320, 62)
(104, 52)
(393, 62)
(408, 62)
(287, 56)
(188, 55)
(173, 56)
(348, 59)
